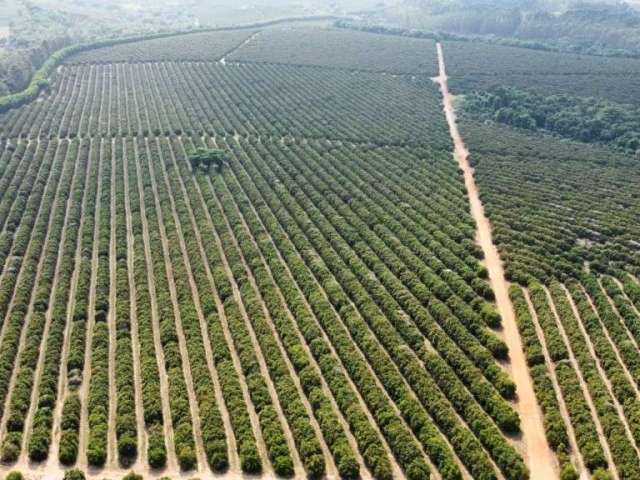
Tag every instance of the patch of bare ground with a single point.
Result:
(600, 369)
(182, 343)
(535, 448)
(583, 385)
(141, 459)
(573, 444)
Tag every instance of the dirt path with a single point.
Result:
(112, 448)
(83, 391)
(182, 343)
(536, 451)
(583, 386)
(575, 450)
(223, 59)
(172, 461)
(141, 459)
(603, 375)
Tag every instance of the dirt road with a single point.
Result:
(538, 455)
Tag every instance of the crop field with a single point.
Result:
(563, 219)
(478, 66)
(329, 301)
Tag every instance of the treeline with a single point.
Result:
(589, 120)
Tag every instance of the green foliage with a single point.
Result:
(204, 158)
(14, 475)
(584, 119)
(74, 474)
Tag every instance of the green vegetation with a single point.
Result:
(203, 159)
(585, 119)
(319, 304)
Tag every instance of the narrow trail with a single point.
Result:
(223, 59)
(583, 385)
(182, 343)
(172, 461)
(141, 459)
(575, 450)
(536, 451)
(112, 448)
(83, 392)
